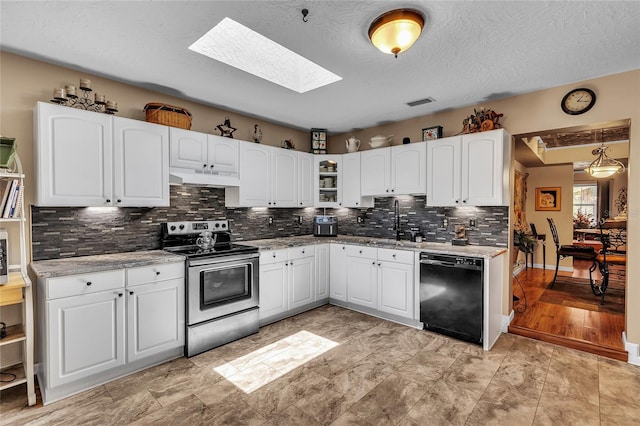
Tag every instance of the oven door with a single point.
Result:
(221, 286)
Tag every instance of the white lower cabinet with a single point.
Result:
(362, 276)
(396, 282)
(323, 256)
(338, 272)
(288, 282)
(98, 326)
(86, 336)
(155, 318)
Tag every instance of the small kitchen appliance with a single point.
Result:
(325, 226)
(222, 281)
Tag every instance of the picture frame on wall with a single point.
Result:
(432, 133)
(318, 141)
(548, 199)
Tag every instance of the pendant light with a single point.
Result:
(396, 31)
(603, 166)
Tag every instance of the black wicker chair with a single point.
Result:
(562, 251)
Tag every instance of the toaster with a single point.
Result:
(325, 226)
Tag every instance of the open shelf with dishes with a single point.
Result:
(16, 297)
(328, 180)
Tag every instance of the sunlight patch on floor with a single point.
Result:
(262, 366)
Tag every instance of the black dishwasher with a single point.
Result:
(451, 295)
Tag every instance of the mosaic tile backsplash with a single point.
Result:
(74, 231)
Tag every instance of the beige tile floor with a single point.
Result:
(378, 373)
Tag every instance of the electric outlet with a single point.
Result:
(300, 220)
(360, 219)
(472, 222)
(270, 220)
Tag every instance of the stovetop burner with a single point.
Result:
(181, 238)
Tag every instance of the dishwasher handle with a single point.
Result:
(454, 263)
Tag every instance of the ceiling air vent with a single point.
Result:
(421, 102)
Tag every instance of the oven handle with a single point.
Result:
(222, 259)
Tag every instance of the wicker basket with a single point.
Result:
(169, 115)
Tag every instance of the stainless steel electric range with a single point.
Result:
(222, 280)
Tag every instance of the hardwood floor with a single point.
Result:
(583, 329)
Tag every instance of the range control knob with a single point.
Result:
(172, 227)
(217, 225)
(181, 226)
(224, 225)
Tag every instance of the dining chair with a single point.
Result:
(612, 258)
(563, 251)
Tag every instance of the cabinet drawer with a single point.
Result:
(399, 256)
(76, 285)
(153, 273)
(302, 251)
(272, 256)
(361, 251)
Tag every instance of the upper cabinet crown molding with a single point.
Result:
(91, 159)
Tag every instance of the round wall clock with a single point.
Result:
(578, 101)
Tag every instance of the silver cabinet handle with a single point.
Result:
(130, 292)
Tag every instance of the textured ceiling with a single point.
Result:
(469, 52)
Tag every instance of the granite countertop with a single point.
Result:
(104, 262)
(442, 248)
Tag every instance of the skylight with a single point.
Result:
(241, 47)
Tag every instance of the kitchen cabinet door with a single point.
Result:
(362, 281)
(223, 155)
(188, 149)
(301, 281)
(155, 318)
(323, 255)
(85, 336)
(141, 164)
(484, 177)
(328, 180)
(396, 288)
(274, 280)
(255, 176)
(375, 172)
(351, 196)
(409, 168)
(74, 160)
(338, 272)
(443, 172)
(284, 178)
(305, 179)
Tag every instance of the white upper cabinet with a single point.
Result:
(351, 196)
(141, 163)
(74, 158)
(305, 179)
(397, 170)
(89, 159)
(223, 155)
(470, 170)
(328, 180)
(189, 149)
(268, 178)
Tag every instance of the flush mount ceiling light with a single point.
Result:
(603, 166)
(241, 47)
(396, 31)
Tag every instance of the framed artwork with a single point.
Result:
(548, 199)
(431, 133)
(319, 141)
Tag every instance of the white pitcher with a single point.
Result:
(353, 144)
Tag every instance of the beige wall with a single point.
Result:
(618, 97)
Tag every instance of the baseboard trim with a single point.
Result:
(506, 320)
(633, 349)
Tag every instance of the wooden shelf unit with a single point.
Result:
(18, 291)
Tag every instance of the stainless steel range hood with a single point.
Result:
(182, 177)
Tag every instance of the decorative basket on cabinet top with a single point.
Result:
(169, 115)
